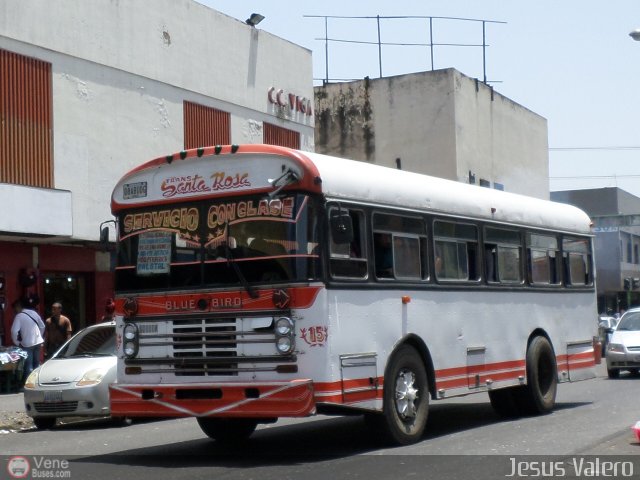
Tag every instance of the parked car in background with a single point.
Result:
(623, 350)
(75, 380)
(606, 326)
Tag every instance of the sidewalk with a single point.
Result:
(12, 415)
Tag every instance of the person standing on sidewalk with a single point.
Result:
(57, 330)
(27, 332)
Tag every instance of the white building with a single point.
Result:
(88, 90)
(440, 123)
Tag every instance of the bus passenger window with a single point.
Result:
(543, 258)
(577, 258)
(456, 249)
(348, 260)
(383, 253)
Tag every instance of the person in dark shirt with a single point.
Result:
(57, 330)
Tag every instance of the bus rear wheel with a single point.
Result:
(406, 397)
(228, 430)
(539, 395)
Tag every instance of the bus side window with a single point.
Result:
(456, 251)
(348, 260)
(577, 261)
(383, 254)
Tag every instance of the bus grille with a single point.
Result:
(207, 346)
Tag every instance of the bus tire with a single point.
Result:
(406, 397)
(228, 430)
(505, 402)
(539, 395)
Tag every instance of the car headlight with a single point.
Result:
(615, 347)
(92, 377)
(32, 379)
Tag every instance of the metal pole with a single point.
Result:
(326, 50)
(431, 40)
(379, 46)
(484, 55)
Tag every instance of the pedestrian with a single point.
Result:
(27, 332)
(109, 310)
(58, 330)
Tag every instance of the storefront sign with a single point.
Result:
(293, 102)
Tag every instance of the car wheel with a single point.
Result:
(613, 372)
(44, 423)
(228, 430)
(406, 397)
(122, 421)
(539, 395)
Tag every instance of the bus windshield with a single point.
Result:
(218, 243)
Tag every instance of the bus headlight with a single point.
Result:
(284, 326)
(285, 335)
(130, 342)
(284, 345)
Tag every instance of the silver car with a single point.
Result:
(75, 380)
(623, 349)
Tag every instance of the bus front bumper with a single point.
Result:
(250, 400)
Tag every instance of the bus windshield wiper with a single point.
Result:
(232, 261)
(287, 178)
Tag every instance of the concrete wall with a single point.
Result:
(121, 71)
(440, 123)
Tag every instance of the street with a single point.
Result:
(592, 418)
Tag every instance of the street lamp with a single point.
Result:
(635, 34)
(254, 19)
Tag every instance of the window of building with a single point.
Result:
(275, 135)
(26, 126)
(205, 126)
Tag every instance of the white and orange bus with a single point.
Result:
(256, 282)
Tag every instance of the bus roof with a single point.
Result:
(212, 172)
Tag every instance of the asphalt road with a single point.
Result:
(464, 439)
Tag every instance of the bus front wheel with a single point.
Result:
(406, 397)
(539, 395)
(228, 430)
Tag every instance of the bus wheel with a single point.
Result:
(504, 402)
(406, 397)
(228, 430)
(539, 395)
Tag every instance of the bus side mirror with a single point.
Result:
(104, 236)
(341, 227)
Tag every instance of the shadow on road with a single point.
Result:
(316, 441)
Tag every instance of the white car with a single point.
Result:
(623, 349)
(75, 380)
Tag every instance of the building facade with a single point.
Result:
(616, 223)
(93, 89)
(440, 123)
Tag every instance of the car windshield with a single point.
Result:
(630, 322)
(230, 242)
(91, 342)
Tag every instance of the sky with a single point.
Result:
(570, 61)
